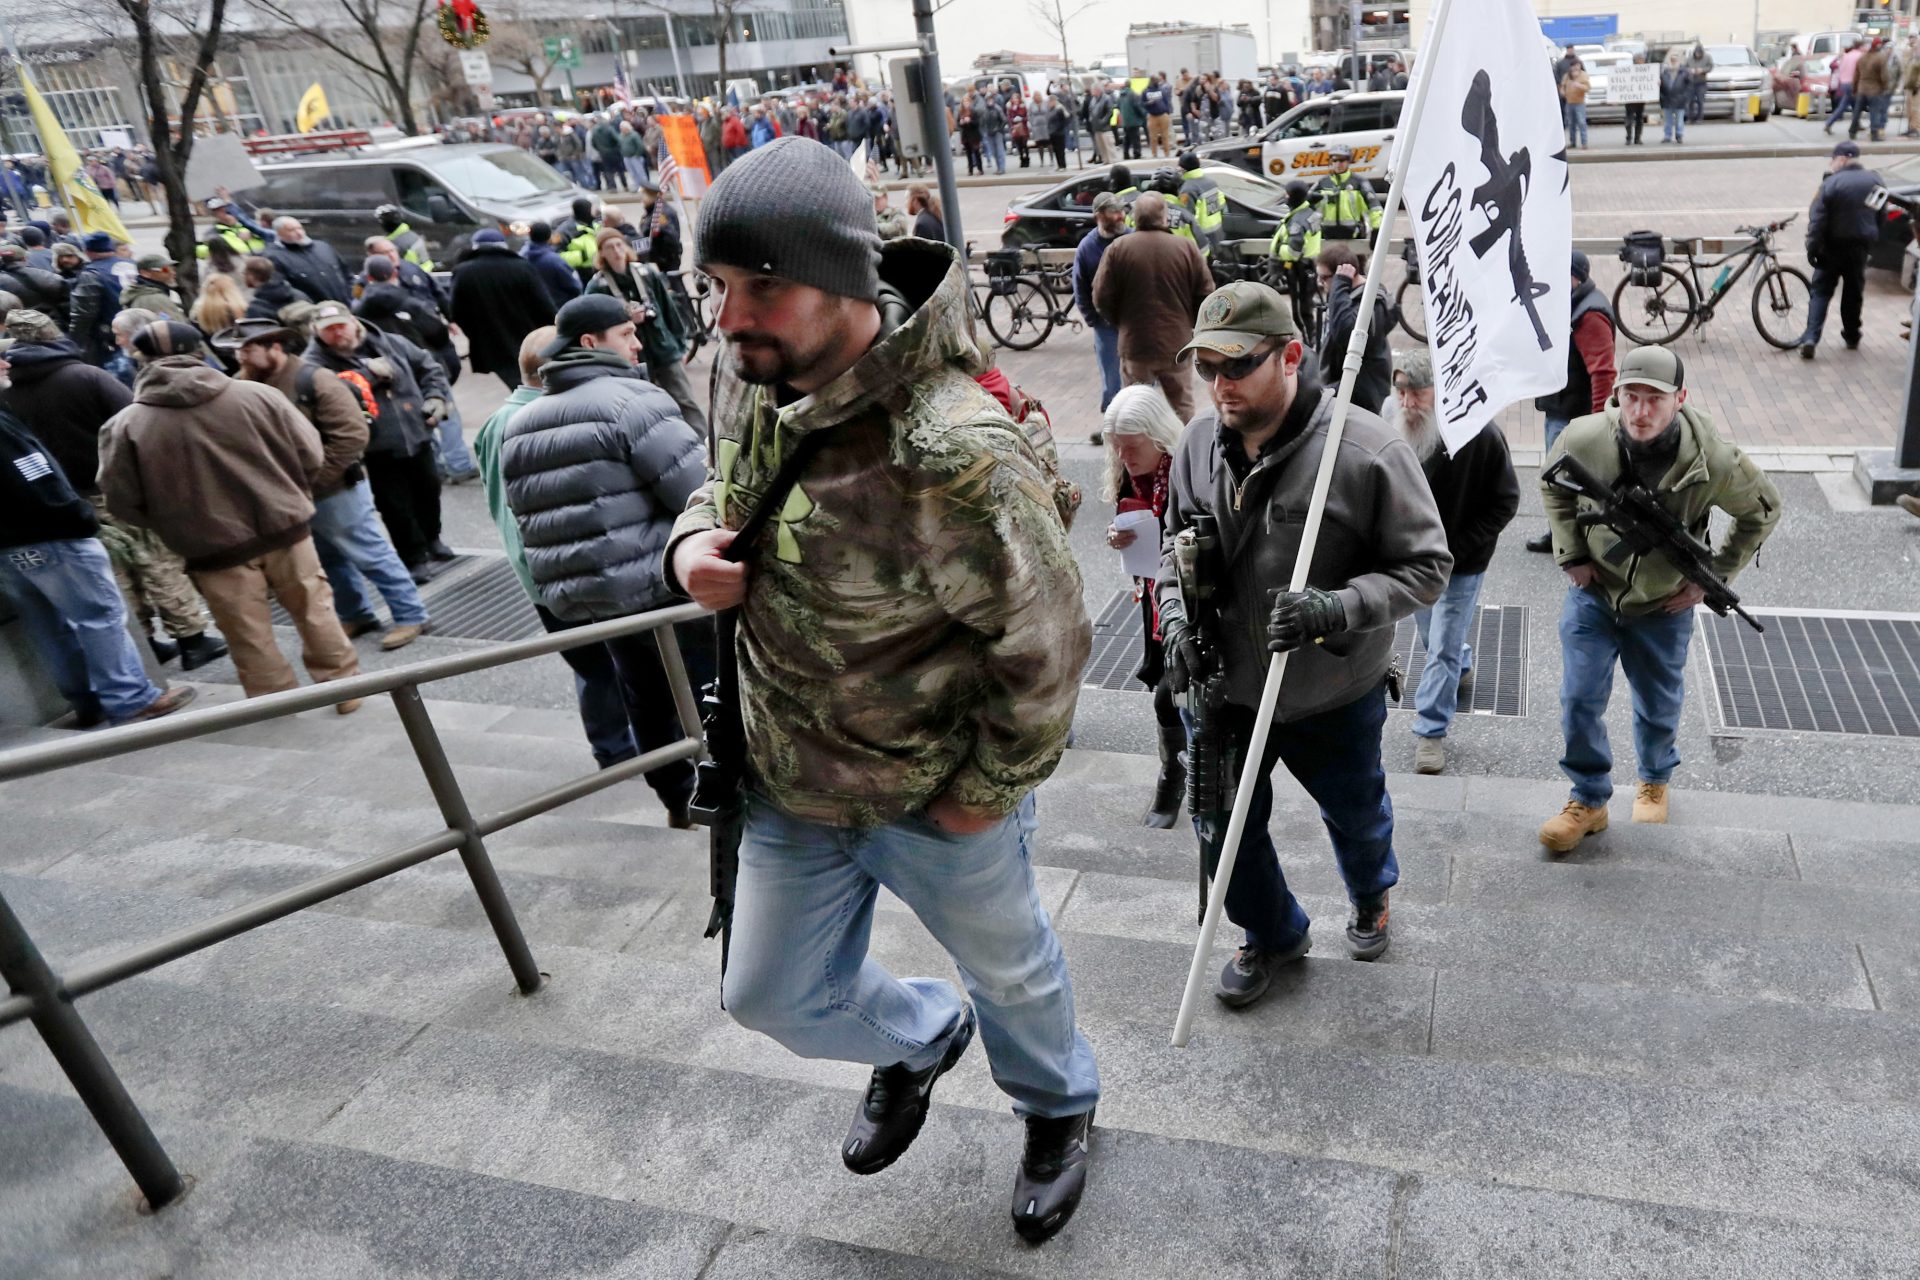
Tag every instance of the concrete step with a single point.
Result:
(263, 1206)
(488, 1119)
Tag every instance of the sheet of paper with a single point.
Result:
(1142, 556)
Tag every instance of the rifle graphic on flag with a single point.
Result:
(91, 212)
(1485, 165)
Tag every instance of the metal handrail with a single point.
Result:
(105, 744)
(47, 998)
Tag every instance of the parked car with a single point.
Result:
(1295, 145)
(447, 192)
(1061, 215)
(1737, 75)
(1600, 67)
(1902, 181)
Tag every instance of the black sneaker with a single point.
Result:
(438, 550)
(164, 651)
(1247, 975)
(1052, 1174)
(1806, 351)
(1367, 929)
(1541, 544)
(895, 1106)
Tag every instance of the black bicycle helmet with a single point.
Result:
(389, 216)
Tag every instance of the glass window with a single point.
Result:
(417, 195)
(1358, 117)
(1731, 55)
(1302, 122)
(1244, 187)
(1079, 196)
(506, 174)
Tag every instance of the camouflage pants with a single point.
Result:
(152, 576)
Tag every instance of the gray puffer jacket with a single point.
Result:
(597, 470)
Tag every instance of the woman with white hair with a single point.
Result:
(1141, 430)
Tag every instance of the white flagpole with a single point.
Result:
(1316, 511)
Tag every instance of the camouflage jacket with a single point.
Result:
(913, 623)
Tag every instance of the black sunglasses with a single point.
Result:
(1234, 370)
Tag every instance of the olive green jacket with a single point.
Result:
(1708, 472)
(913, 622)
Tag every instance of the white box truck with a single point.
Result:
(1169, 46)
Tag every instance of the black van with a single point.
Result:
(448, 193)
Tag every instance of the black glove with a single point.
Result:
(1180, 641)
(1304, 617)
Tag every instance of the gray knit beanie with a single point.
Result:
(793, 209)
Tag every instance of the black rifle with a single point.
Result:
(1643, 525)
(718, 780)
(1212, 757)
(1501, 198)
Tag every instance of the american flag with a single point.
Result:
(669, 174)
(621, 89)
(33, 466)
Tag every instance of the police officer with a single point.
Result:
(242, 234)
(1637, 610)
(411, 244)
(1349, 206)
(1295, 248)
(1250, 464)
(1202, 197)
(1841, 229)
(1167, 182)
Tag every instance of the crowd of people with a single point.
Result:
(116, 172)
(911, 632)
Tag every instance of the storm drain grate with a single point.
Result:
(1815, 671)
(1117, 647)
(1499, 655)
(472, 598)
(1499, 640)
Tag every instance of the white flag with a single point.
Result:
(1487, 190)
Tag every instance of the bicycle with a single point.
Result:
(1657, 302)
(1410, 303)
(1024, 297)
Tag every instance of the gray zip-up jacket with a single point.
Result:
(1382, 547)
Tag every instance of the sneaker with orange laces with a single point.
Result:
(1564, 832)
(1650, 802)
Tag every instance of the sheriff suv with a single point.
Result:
(1295, 145)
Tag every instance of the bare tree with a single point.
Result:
(199, 30)
(1054, 16)
(518, 46)
(381, 38)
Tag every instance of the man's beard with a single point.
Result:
(1419, 429)
(763, 359)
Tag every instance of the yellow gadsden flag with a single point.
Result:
(313, 108)
(90, 209)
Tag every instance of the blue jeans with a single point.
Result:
(1554, 427)
(455, 458)
(76, 618)
(1673, 124)
(1443, 630)
(1335, 755)
(596, 686)
(1877, 106)
(353, 549)
(1652, 650)
(1842, 104)
(997, 150)
(799, 969)
(1576, 124)
(637, 170)
(1106, 344)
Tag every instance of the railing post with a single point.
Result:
(473, 851)
(87, 1068)
(686, 698)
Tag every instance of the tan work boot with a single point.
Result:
(1430, 755)
(1909, 504)
(1650, 802)
(402, 636)
(1564, 832)
(167, 703)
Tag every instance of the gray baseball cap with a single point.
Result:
(1654, 367)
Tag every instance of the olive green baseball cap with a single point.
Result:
(1238, 317)
(1654, 367)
